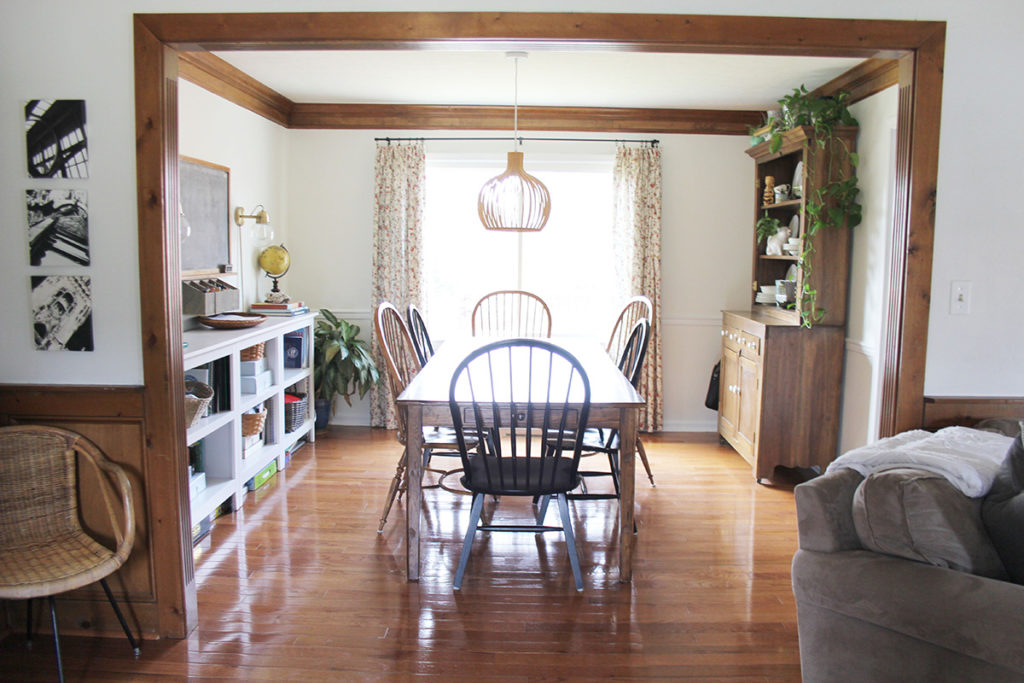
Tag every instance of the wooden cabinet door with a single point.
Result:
(749, 403)
(728, 404)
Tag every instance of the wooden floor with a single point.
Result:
(297, 585)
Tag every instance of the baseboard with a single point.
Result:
(709, 425)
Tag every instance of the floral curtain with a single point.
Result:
(399, 195)
(637, 181)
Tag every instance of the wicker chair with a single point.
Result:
(43, 548)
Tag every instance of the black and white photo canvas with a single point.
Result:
(56, 143)
(62, 312)
(58, 227)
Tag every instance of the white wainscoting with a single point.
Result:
(691, 347)
(858, 423)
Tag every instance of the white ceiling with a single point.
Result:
(592, 79)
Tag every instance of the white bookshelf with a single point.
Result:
(227, 467)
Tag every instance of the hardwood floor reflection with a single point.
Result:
(298, 586)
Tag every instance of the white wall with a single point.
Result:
(868, 271)
(255, 150)
(705, 243)
(88, 54)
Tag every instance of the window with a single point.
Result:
(570, 263)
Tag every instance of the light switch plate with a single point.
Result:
(960, 297)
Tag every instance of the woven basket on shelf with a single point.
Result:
(252, 423)
(254, 352)
(295, 411)
(197, 397)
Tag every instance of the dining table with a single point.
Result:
(614, 404)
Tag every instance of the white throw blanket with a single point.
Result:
(968, 458)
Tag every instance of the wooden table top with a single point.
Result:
(608, 386)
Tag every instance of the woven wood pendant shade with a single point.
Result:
(514, 200)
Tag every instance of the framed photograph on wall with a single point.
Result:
(58, 227)
(62, 312)
(55, 137)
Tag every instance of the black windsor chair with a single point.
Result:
(526, 390)
(418, 332)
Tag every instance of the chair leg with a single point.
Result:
(542, 510)
(28, 623)
(393, 490)
(467, 544)
(56, 639)
(570, 540)
(120, 617)
(613, 466)
(643, 459)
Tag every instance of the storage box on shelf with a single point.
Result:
(780, 382)
(226, 463)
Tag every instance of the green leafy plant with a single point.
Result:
(767, 227)
(834, 201)
(343, 364)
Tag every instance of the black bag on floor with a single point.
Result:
(711, 400)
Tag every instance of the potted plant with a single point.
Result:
(343, 364)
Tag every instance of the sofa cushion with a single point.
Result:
(1003, 510)
(920, 516)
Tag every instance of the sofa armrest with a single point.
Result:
(972, 615)
(824, 512)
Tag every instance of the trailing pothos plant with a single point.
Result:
(833, 201)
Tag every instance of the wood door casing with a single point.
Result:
(158, 37)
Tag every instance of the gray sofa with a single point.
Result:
(868, 616)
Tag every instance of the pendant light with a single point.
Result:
(515, 200)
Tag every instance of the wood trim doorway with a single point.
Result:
(160, 37)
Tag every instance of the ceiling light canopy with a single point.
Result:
(515, 200)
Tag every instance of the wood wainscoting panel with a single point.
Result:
(943, 411)
(112, 418)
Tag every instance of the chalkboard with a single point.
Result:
(206, 245)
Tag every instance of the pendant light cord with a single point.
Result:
(515, 101)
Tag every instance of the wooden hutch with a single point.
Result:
(781, 382)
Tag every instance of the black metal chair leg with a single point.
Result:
(120, 617)
(56, 639)
(28, 623)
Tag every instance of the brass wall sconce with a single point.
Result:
(259, 213)
(265, 232)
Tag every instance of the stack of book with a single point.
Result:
(286, 309)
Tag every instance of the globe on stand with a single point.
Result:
(275, 262)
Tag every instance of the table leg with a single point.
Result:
(414, 492)
(627, 490)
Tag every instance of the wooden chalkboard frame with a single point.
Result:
(205, 201)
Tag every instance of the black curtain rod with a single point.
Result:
(520, 139)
